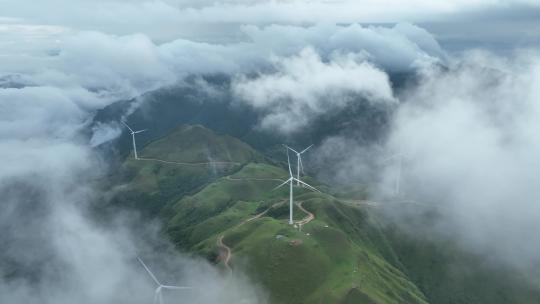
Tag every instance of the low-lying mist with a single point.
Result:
(468, 136)
(470, 141)
(54, 250)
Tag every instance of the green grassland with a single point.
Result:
(195, 143)
(319, 264)
(344, 255)
(150, 184)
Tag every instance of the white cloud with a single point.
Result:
(471, 140)
(81, 72)
(102, 133)
(304, 87)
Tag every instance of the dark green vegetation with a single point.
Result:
(344, 255)
(448, 274)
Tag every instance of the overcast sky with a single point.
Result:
(456, 23)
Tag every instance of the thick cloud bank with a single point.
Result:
(94, 69)
(470, 142)
(53, 252)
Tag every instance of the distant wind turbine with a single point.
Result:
(158, 297)
(133, 138)
(299, 165)
(397, 180)
(291, 182)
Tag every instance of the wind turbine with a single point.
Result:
(397, 180)
(158, 297)
(291, 182)
(133, 138)
(299, 164)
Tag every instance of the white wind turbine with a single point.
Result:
(133, 138)
(158, 297)
(397, 180)
(291, 182)
(299, 165)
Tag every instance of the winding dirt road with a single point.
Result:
(310, 216)
(226, 250)
(225, 254)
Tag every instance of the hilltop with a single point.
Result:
(178, 164)
(215, 195)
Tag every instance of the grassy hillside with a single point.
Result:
(178, 164)
(195, 143)
(343, 255)
(338, 252)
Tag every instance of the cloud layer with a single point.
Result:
(471, 142)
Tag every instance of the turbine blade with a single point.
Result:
(289, 163)
(176, 287)
(307, 185)
(281, 185)
(125, 124)
(149, 272)
(301, 165)
(160, 297)
(140, 131)
(306, 149)
(290, 149)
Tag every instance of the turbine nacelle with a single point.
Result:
(294, 179)
(158, 296)
(291, 181)
(298, 153)
(300, 165)
(133, 138)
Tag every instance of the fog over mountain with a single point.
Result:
(467, 126)
(470, 142)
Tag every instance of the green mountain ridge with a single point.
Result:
(343, 255)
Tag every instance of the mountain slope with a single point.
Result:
(338, 251)
(230, 214)
(180, 163)
(338, 255)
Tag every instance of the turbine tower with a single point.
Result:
(299, 165)
(158, 297)
(397, 180)
(133, 139)
(291, 182)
